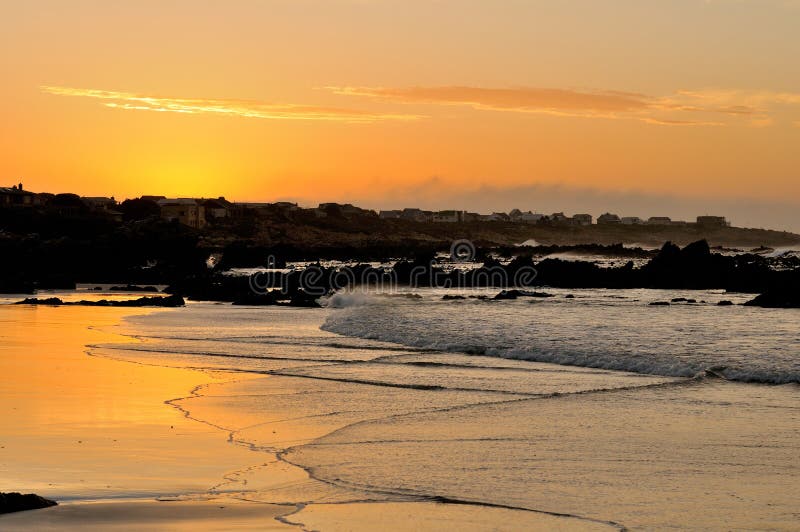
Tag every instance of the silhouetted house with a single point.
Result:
(187, 211)
(631, 220)
(390, 215)
(286, 206)
(68, 205)
(217, 209)
(712, 221)
(582, 219)
(530, 217)
(449, 216)
(608, 219)
(517, 215)
(342, 209)
(659, 220)
(559, 218)
(43, 199)
(351, 210)
(416, 215)
(471, 217)
(15, 196)
(496, 217)
(152, 198)
(103, 206)
(100, 203)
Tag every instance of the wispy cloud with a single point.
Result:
(683, 108)
(225, 107)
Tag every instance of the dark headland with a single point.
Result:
(56, 241)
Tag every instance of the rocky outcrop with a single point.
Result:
(17, 502)
(776, 299)
(166, 301)
(134, 288)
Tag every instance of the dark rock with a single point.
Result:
(725, 303)
(659, 303)
(37, 301)
(304, 299)
(167, 301)
(251, 298)
(569, 296)
(448, 297)
(679, 300)
(134, 288)
(514, 294)
(17, 502)
(776, 299)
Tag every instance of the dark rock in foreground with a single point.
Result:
(659, 304)
(776, 299)
(167, 301)
(725, 303)
(17, 502)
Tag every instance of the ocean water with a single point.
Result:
(598, 408)
(608, 329)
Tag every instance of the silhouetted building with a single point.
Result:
(187, 211)
(449, 216)
(631, 220)
(391, 214)
(287, 206)
(659, 220)
(15, 196)
(712, 221)
(608, 219)
(107, 207)
(496, 217)
(416, 215)
(582, 219)
(217, 209)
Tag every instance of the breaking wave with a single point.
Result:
(619, 334)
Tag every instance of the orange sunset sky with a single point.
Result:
(647, 107)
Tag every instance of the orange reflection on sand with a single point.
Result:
(80, 426)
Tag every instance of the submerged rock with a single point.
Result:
(725, 303)
(659, 303)
(17, 502)
(514, 294)
(448, 297)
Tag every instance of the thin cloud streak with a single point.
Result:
(683, 108)
(225, 107)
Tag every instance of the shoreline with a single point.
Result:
(218, 505)
(279, 406)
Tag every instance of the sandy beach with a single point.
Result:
(222, 418)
